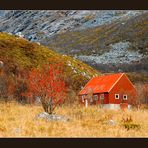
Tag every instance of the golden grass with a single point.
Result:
(19, 121)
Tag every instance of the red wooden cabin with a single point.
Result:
(110, 91)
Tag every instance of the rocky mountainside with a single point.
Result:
(109, 40)
(39, 24)
(118, 46)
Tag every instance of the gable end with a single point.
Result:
(115, 82)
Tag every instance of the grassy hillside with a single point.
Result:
(18, 53)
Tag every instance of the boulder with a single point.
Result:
(111, 122)
(51, 117)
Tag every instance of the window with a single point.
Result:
(102, 96)
(124, 97)
(95, 97)
(116, 96)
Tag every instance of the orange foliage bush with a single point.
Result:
(47, 84)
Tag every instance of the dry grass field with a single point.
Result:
(18, 120)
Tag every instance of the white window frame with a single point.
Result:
(117, 95)
(124, 98)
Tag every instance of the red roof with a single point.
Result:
(101, 84)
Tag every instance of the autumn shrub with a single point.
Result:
(142, 94)
(47, 83)
(7, 87)
(129, 124)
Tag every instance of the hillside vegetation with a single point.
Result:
(20, 54)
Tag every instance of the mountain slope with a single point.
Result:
(18, 53)
(108, 40)
(113, 37)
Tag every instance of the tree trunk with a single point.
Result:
(45, 105)
(50, 106)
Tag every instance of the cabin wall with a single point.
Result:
(102, 101)
(98, 101)
(122, 87)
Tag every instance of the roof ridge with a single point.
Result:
(113, 79)
(110, 74)
(116, 82)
